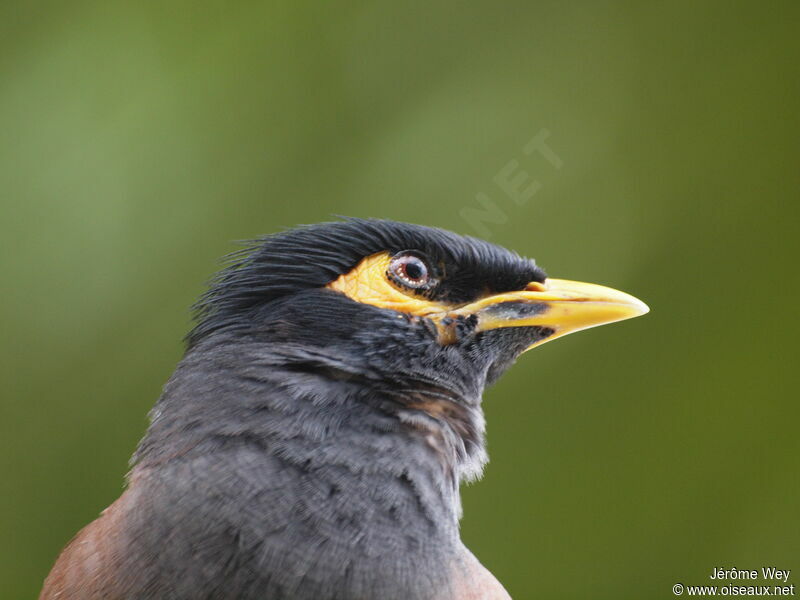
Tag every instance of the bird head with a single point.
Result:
(399, 303)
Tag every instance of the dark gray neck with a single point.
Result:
(302, 473)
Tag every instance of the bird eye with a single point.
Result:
(409, 270)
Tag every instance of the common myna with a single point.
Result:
(311, 442)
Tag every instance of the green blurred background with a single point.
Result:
(137, 140)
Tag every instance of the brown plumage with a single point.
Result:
(89, 566)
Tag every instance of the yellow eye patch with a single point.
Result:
(368, 283)
(558, 305)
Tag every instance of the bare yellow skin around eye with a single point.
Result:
(368, 283)
(569, 306)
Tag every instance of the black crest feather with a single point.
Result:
(311, 256)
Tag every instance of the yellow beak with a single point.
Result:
(561, 305)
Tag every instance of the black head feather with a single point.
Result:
(312, 256)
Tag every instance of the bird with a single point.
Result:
(311, 442)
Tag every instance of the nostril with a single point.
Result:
(535, 286)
